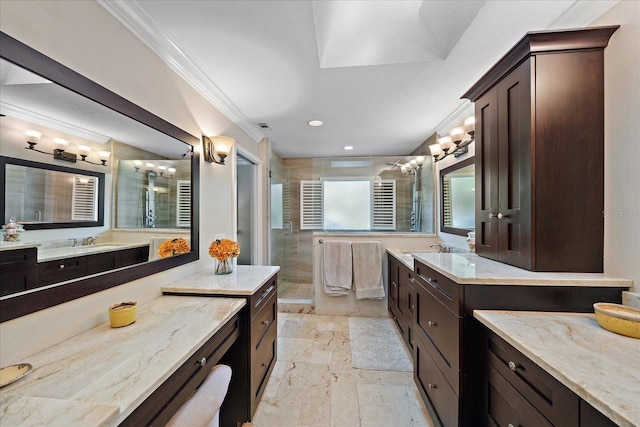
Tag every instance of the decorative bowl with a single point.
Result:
(621, 319)
(123, 314)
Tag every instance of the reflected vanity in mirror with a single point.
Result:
(457, 192)
(142, 195)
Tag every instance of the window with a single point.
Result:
(348, 204)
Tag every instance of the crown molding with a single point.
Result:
(51, 123)
(135, 19)
(455, 118)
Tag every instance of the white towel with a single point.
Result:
(367, 269)
(337, 267)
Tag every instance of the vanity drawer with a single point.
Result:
(433, 386)
(263, 363)
(263, 321)
(61, 269)
(556, 402)
(261, 297)
(507, 407)
(437, 325)
(444, 289)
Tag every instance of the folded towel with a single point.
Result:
(337, 267)
(367, 269)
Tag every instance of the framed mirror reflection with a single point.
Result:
(457, 195)
(136, 174)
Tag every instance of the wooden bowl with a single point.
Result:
(621, 319)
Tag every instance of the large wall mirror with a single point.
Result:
(136, 174)
(457, 193)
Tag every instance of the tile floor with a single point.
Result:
(293, 290)
(314, 384)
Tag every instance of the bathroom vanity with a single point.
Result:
(434, 312)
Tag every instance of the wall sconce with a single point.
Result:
(61, 153)
(217, 146)
(455, 143)
(412, 165)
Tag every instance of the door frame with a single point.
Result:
(257, 196)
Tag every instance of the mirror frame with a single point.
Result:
(452, 230)
(13, 306)
(4, 161)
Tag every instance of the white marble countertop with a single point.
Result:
(403, 256)
(601, 367)
(471, 269)
(99, 377)
(67, 252)
(244, 280)
(7, 246)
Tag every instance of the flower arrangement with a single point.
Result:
(173, 247)
(223, 250)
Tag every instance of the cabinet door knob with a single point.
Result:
(430, 323)
(413, 306)
(431, 385)
(501, 215)
(513, 366)
(510, 425)
(265, 322)
(203, 361)
(265, 364)
(61, 267)
(491, 216)
(395, 284)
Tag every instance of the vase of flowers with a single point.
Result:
(173, 247)
(223, 250)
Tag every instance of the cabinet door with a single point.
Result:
(393, 282)
(487, 174)
(514, 167)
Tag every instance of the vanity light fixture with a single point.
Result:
(217, 146)
(60, 151)
(412, 165)
(455, 143)
(315, 123)
(348, 147)
(156, 170)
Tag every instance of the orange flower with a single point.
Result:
(223, 249)
(173, 247)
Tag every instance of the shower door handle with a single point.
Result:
(290, 228)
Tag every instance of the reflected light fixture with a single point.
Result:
(217, 146)
(348, 147)
(315, 123)
(455, 143)
(60, 151)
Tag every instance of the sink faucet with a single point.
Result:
(441, 248)
(75, 242)
(88, 241)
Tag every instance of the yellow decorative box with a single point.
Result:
(123, 314)
(621, 319)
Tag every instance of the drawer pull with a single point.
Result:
(514, 366)
(264, 295)
(413, 306)
(203, 361)
(61, 267)
(265, 322)
(431, 385)
(430, 323)
(510, 425)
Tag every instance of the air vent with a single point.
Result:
(264, 126)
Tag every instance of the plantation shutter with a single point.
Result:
(84, 200)
(384, 204)
(310, 205)
(446, 202)
(183, 205)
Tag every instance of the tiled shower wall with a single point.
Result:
(293, 251)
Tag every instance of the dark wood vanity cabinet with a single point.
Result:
(401, 301)
(448, 354)
(17, 270)
(540, 153)
(516, 391)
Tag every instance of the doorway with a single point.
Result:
(246, 206)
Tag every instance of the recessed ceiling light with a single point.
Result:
(315, 123)
(348, 147)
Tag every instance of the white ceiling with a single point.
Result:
(382, 75)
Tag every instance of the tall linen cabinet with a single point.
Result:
(540, 152)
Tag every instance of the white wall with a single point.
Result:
(87, 39)
(622, 149)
